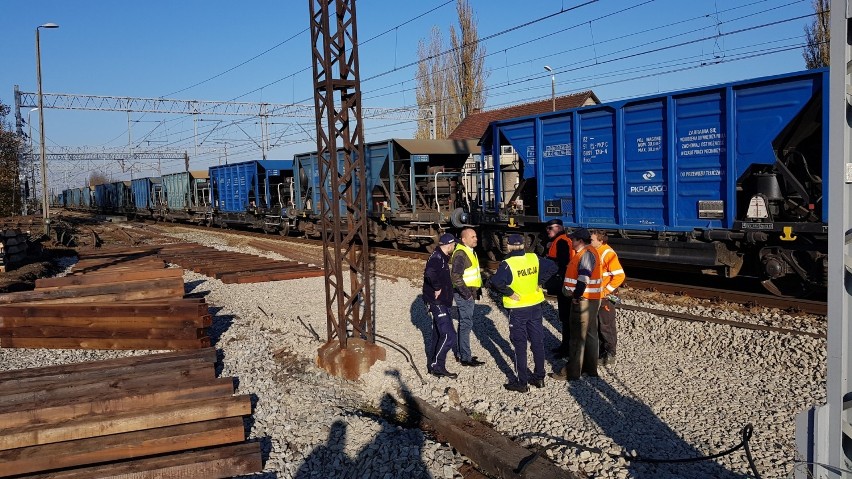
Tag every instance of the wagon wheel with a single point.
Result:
(789, 286)
(285, 229)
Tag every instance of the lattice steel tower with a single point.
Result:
(350, 348)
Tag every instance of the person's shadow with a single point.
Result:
(632, 425)
(551, 315)
(329, 459)
(498, 346)
(485, 331)
(397, 452)
(421, 320)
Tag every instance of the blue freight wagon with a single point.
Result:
(67, 200)
(726, 179)
(146, 193)
(413, 188)
(105, 197)
(255, 194)
(76, 201)
(87, 195)
(186, 196)
(123, 197)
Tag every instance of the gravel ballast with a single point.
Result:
(677, 390)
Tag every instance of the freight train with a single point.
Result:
(723, 180)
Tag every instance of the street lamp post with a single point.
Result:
(45, 203)
(552, 86)
(32, 181)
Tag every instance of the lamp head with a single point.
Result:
(547, 67)
(49, 25)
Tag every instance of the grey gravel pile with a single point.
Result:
(677, 390)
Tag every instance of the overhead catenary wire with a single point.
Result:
(182, 140)
(655, 50)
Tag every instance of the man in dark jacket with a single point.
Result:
(438, 296)
(518, 279)
(560, 249)
(467, 281)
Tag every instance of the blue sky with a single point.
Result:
(154, 48)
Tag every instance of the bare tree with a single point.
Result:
(451, 83)
(467, 64)
(97, 178)
(818, 35)
(10, 145)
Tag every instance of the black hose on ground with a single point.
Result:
(746, 436)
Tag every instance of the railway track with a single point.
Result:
(635, 285)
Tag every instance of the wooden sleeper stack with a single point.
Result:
(116, 300)
(140, 417)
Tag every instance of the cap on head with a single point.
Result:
(581, 234)
(554, 221)
(515, 239)
(446, 239)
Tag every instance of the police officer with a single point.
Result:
(438, 295)
(467, 284)
(560, 250)
(583, 286)
(518, 279)
(612, 276)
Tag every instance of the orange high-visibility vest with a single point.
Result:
(551, 253)
(594, 289)
(612, 274)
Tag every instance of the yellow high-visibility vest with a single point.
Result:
(471, 275)
(524, 281)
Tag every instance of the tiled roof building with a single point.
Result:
(474, 125)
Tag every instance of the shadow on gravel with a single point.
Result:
(221, 323)
(491, 340)
(189, 287)
(551, 315)
(420, 319)
(393, 452)
(635, 427)
(498, 346)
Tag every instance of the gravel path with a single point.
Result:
(678, 389)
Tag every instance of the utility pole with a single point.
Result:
(350, 348)
(823, 433)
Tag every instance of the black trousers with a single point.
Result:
(563, 303)
(606, 328)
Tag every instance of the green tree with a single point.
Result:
(818, 36)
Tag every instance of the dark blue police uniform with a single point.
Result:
(436, 278)
(521, 274)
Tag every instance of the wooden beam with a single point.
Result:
(99, 380)
(272, 276)
(124, 291)
(185, 389)
(111, 401)
(214, 463)
(178, 330)
(130, 363)
(98, 425)
(121, 446)
(106, 322)
(101, 278)
(93, 343)
(174, 307)
(494, 453)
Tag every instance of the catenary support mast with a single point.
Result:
(350, 348)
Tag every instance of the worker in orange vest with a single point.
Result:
(583, 285)
(612, 276)
(560, 250)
